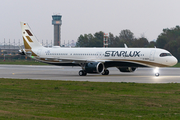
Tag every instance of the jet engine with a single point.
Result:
(94, 67)
(127, 69)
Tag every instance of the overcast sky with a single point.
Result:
(147, 17)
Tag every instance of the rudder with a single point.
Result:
(30, 41)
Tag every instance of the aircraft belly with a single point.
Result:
(64, 64)
(122, 64)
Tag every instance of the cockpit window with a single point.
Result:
(165, 54)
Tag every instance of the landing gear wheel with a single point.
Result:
(82, 73)
(106, 72)
(156, 74)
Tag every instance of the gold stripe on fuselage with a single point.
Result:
(146, 63)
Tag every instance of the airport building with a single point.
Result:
(57, 22)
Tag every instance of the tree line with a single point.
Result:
(169, 39)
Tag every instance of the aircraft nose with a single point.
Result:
(174, 61)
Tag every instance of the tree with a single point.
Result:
(161, 41)
(152, 44)
(126, 36)
(170, 39)
(111, 40)
(141, 42)
(88, 40)
(172, 47)
(83, 41)
(99, 35)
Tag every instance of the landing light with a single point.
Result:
(156, 70)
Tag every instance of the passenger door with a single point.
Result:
(151, 57)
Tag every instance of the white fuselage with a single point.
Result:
(145, 56)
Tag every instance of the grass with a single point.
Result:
(43, 99)
(177, 65)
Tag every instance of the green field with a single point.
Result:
(64, 100)
(177, 65)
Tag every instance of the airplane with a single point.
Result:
(95, 60)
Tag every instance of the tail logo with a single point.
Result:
(29, 33)
(29, 39)
(26, 45)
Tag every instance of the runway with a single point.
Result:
(141, 75)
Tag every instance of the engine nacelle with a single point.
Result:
(127, 69)
(94, 67)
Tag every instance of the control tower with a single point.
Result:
(57, 22)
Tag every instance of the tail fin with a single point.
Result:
(29, 39)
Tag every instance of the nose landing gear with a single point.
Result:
(156, 74)
(156, 71)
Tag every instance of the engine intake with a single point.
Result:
(127, 69)
(94, 67)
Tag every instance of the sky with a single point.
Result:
(142, 17)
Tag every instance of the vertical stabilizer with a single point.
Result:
(30, 41)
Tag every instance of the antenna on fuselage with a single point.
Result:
(125, 46)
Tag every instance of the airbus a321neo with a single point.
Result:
(96, 60)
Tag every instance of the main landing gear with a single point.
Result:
(82, 73)
(106, 72)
